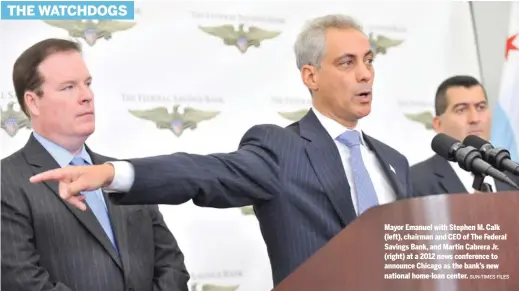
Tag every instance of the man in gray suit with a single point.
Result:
(306, 181)
(46, 243)
(461, 106)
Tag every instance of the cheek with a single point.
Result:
(53, 109)
(456, 125)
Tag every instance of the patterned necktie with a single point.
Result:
(366, 195)
(97, 204)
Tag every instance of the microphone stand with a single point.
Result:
(479, 184)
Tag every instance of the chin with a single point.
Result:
(363, 113)
(86, 129)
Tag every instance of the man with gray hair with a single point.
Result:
(306, 181)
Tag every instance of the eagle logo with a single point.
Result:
(240, 38)
(213, 287)
(425, 118)
(247, 210)
(294, 115)
(175, 121)
(380, 44)
(91, 31)
(13, 121)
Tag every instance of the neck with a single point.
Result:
(348, 123)
(73, 145)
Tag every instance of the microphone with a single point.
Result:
(497, 157)
(467, 157)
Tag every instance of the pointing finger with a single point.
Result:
(52, 175)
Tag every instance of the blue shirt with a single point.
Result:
(64, 157)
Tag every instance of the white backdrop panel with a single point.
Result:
(166, 60)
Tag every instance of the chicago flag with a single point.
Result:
(505, 125)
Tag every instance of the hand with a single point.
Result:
(74, 179)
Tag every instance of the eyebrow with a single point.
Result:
(88, 79)
(467, 104)
(349, 55)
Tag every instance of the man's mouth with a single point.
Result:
(364, 94)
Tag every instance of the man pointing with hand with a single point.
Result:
(306, 181)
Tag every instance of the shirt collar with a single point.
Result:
(62, 156)
(334, 128)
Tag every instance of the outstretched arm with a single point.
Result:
(247, 176)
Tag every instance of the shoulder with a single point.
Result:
(269, 135)
(423, 175)
(424, 167)
(13, 158)
(11, 167)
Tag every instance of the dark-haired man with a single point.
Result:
(461, 106)
(46, 243)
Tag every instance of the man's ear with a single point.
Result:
(436, 123)
(32, 103)
(309, 77)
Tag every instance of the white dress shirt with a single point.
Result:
(385, 192)
(124, 172)
(467, 178)
(124, 175)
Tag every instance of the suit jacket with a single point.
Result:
(436, 176)
(48, 244)
(293, 176)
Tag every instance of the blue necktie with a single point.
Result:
(366, 194)
(95, 201)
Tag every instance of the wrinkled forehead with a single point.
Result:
(346, 42)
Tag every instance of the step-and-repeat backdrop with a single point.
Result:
(195, 64)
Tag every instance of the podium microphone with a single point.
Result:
(467, 157)
(499, 158)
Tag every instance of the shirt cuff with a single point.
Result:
(124, 175)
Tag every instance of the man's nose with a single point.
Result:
(474, 116)
(86, 94)
(364, 74)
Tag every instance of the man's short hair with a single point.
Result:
(310, 45)
(441, 102)
(26, 76)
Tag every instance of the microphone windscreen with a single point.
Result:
(442, 145)
(474, 141)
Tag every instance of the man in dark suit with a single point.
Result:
(48, 244)
(461, 107)
(306, 181)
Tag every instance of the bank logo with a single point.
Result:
(380, 44)
(91, 31)
(294, 115)
(240, 38)
(425, 118)
(213, 287)
(247, 210)
(175, 121)
(13, 121)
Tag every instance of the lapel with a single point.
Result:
(447, 177)
(375, 146)
(326, 162)
(41, 161)
(117, 220)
